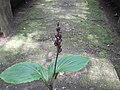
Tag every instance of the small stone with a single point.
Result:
(61, 73)
(55, 88)
(50, 54)
(115, 14)
(7, 86)
(108, 45)
(42, 4)
(92, 88)
(63, 87)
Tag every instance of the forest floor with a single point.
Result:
(85, 30)
(112, 13)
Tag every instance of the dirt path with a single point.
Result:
(84, 32)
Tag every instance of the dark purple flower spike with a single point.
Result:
(57, 43)
(58, 38)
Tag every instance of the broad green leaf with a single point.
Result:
(51, 69)
(71, 63)
(68, 63)
(24, 72)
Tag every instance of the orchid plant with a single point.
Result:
(24, 72)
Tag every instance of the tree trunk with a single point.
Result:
(15, 2)
(5, 17)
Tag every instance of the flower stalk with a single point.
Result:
(57, 43)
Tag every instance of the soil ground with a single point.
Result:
(112, 13)
(85, 31)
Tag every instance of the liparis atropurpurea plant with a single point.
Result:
(24, 72)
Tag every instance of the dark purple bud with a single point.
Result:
(60, 50)
(56, 36)
(60, 32)
(58, 29)
(60, 46)
(58, 24)
(60, 41)
(60, 36)
(57, 39)
(55, 43)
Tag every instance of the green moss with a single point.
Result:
(116, 64)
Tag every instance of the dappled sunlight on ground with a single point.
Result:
(102, 70)
(101, 67)
(69, 10)
(99, 74)
(93, 39)
(13, 44)
(48, 0)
